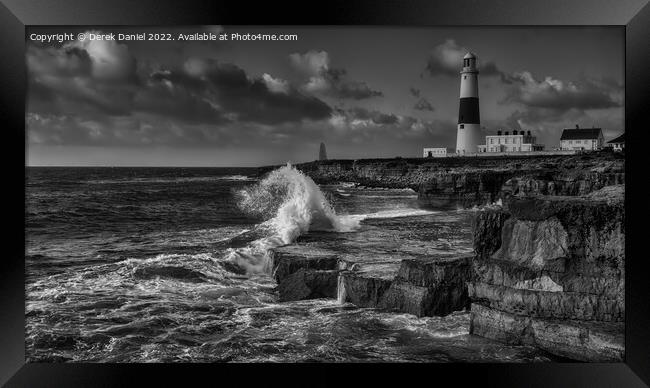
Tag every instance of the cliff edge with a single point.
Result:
(549, 271)
(476, 180)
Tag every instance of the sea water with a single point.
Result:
(172, 265)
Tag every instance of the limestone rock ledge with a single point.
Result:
(591, 341)
(423, 286)
(429, 287)
(550, 271)
(289, 259)
(304, 274)
(308, 284)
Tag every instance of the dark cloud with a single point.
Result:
(376, 131)
(96, 75)
(423, 104)
(375, 116)
(327, 80)
(488, 69)
(342, 88)
(554, 94)
(94, 93)
(228, 89)
(447, 59)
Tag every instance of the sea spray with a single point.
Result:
(292, 204)
(341, 294)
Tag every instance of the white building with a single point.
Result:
(518, 141)
(617, 144)
(436, 152)
(587, 139)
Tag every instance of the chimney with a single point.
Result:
(514, 132)
(499, 132)
(507, 133)
(577, 127)
(528, 133)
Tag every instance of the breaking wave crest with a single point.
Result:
(291, 204)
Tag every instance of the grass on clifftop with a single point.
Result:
(478, 160)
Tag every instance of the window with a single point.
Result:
(462, 125)
(464, 77)
(491, 141)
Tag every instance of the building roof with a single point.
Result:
(469, 55)
(580, 133)
(620, 139)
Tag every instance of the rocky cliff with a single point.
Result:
(419, 286)
(476, 180)
(550, 271)
(548, 267)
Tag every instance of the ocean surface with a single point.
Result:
(171, 265)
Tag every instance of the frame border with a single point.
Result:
(633, 15)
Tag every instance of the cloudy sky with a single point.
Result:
(365, 92)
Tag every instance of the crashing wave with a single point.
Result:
(292, 204)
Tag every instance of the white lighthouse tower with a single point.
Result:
(468, 136)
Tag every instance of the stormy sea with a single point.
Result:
(172, 265)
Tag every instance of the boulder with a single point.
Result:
(579, 340)
(428, 287)
(435, 272)
(308, 284)
(361, 288)
(289, 259)
(555, 304)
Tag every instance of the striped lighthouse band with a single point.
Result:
(468, 112)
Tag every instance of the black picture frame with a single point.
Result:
(633, 15)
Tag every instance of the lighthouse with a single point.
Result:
(468, 136)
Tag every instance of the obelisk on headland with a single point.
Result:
(322, 154)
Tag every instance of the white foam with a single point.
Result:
(235, 178)
(293, 205)
(393, 213)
